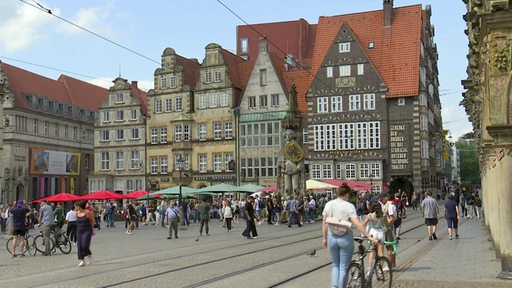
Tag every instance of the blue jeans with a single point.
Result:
(341, 249)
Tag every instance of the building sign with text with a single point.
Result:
(399, 148)
(54, 162)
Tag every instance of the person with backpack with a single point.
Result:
(400, 214)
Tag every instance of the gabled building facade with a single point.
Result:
(119, 142)
(378, 71)
(48, 134)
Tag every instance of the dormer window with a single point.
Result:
(344, 47)
(119, 98)
(371, 45)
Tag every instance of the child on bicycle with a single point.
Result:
(377, 224)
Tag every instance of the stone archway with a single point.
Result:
(403, 183)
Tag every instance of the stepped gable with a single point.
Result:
(191, 70)
(396, 52)
(233, 62)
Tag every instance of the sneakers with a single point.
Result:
(456, 236)
(255, 237)
(88, 259)
(451, 237)
(129, 232)
(385, 268)
(429, 237)
(81, 264)
(434, 236)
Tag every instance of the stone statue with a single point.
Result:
(293, 164)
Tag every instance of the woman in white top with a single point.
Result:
(341, 248)
(71, 225)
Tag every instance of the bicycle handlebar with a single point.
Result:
(388, 243)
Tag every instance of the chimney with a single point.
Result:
(388, 13)
(134, 84)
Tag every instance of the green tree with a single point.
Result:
(469, 161)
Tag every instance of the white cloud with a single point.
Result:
(21, 25)
(90, 18)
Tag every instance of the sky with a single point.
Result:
(127, 37)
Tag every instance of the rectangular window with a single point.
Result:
(322, 104)
(217, 76)
(374, 135)
(178, 104)
(202, 163)
(163, 135)
(120, 134)
(319, 135)
(75, 133)
(213, 100)
(105, 161)
(316, 172)
(217, 130)
(105, 135)
(252, 102)
(360, 69)
(369, 101)
(263, 101)
(154, 165)
(329, 72)
(135, 160)
(66, 131)
(263, 77)
(178, 133)
(228, 130)
(158, 106)
(163, 165)
(133, 114)
(362, 135)
(223, 99)
(344, 47)
(119, 115)
(327, 171)
(119, 98)
(168, 105)
(346, 132)
(202, 101)
(106, 116)
(330, 137)
(350, 171)
(172, 81)
(227, 158)
(336, 104)
(163, 82)
(364, 170)
(354, 102)
(401, 101)
(217, 162)
(46, 126)
(154, 135)
(345, 70)
(275, 100)
(135, 133)
(202, 131)
(244, 45)
(207, 77)
(375, 170)
(119, 160)
(186, 132)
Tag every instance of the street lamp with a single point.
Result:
(179, 168)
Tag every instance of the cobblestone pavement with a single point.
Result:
(467, 262)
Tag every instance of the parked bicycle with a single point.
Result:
(29, 248)
(379, 275)
(59, 240)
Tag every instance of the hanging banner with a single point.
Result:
(54, 162)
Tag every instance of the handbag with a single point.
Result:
(337, 226)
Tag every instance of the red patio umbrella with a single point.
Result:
(61, 197)
(135, 194)
(271, 188)
(102, 195)
(356, 185)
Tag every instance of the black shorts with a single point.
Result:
(452, 223)
(430, 221)
(18, 232)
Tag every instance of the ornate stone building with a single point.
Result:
(488, 102)
(47, 134)
(119, 142)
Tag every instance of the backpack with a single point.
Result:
(261, 204)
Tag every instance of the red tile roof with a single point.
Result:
(66, 90)
(396, 52)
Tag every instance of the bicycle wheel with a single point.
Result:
(64, 244)
(8, 246)
(354, 278)
(31, 246)
(382, 275)
(40, 245)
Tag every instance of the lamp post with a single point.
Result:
(179, 167)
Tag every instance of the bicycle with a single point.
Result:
(60, 241)
(380, 274)
(29, 245)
